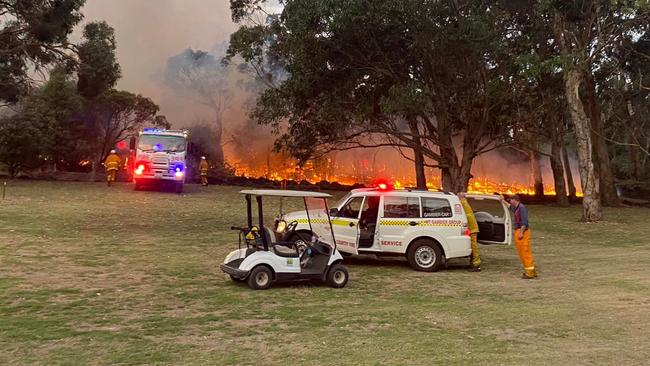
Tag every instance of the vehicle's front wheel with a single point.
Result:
(260, 278)
(179, 188)
(337, 276)
(425, 255)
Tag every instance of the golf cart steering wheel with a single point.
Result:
(302, 243)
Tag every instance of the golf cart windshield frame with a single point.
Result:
(327, 215)
(260, 212)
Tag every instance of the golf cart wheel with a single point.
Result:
(260, 278)
(237, 279)
(337, 276)
(425, 255)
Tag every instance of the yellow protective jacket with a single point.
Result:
(112, 162)
(203, 167)
(471, 219)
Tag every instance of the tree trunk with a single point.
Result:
(420, 177)
(219, 158)
(601, 155)
(537, 174)
(558, 173)
(634, 155)
(93, 173)
(568, 173)
(455, 177)
(592, 209)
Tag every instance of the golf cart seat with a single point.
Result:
(281, 249)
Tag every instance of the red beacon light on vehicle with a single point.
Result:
(382, 185)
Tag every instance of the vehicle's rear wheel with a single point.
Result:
(337, 276)
(260, 278)
(425, 255)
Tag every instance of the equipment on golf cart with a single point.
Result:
(266, 259)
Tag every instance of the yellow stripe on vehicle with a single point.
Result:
(437, 223)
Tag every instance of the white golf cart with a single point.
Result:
(269, 257)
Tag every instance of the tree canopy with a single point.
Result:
(33, 35)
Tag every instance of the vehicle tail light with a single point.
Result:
(465, 231)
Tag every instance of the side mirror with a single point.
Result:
(132, 143)
(334, 211)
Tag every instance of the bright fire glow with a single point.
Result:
(279, 167)
(476, 184)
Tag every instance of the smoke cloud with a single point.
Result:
(153, 34)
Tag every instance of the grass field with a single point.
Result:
(91, 275)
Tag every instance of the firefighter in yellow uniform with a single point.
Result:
(522, 237)
(203, 169)
(112, 164)
(475, 264)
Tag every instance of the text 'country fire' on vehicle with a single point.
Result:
(427, 227)
(160, 157)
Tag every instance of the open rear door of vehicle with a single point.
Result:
(493, 217)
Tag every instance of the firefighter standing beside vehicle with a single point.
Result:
(522, 237)
(475, 262)
(203, 170)
(111, 164)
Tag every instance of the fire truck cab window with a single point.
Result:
(161, 143)
(352, 208)
(435, 207)
(402, 207)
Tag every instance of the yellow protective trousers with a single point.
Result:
(476, 258)
(525, 252)
(204, 179)
(110, 175)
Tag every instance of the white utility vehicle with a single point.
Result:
(160, 157)
(268, 257)
(427, 227)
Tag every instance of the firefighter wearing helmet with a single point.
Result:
(112, 164)
(203, 170)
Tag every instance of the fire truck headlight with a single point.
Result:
(178, 173)
(281, 227)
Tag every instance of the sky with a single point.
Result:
(148, 32)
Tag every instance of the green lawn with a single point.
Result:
(92, 275)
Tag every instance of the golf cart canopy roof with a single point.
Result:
(284, 193)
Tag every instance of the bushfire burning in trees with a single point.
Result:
(365, 168)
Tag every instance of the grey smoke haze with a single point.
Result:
(148, 32)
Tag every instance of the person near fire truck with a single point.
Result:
(203, 170)
(475, 261)
(111, 164)
(522, 237)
